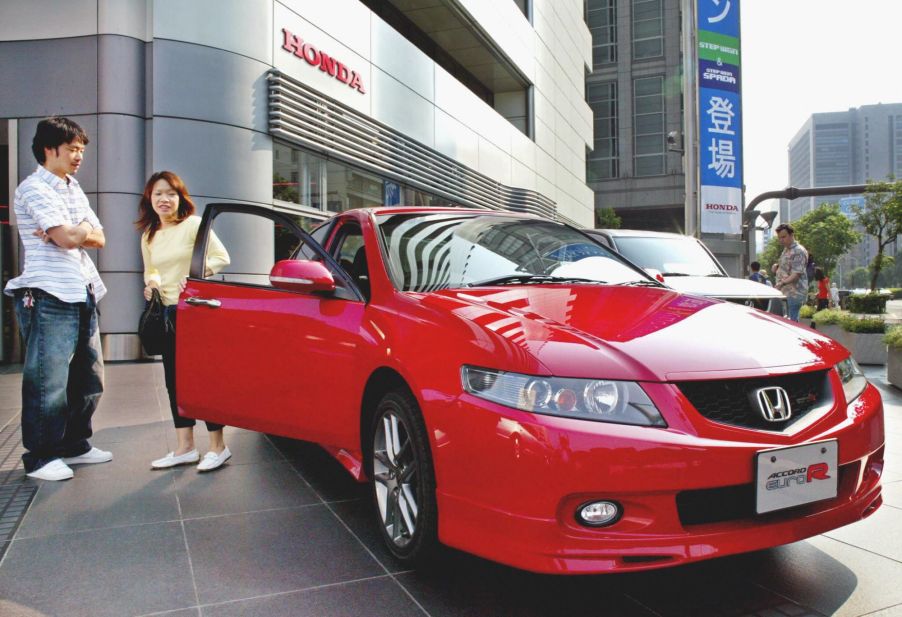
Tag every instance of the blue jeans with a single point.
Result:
(793, 306)
(62, 379)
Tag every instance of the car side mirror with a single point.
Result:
(301, 275)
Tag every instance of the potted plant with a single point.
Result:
(864, 338)
(827, 322)
(893, 340)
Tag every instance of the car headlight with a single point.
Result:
(853, 380)
(621, 402)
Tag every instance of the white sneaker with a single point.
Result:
(171, 460)
(213, 461)
(52, 471)
(94, 455)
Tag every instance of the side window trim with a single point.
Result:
(215, 209)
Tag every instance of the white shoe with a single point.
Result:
(171, 460)
(94, 455)
(213, 461)
(52, 471)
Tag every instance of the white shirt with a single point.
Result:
(42, 201)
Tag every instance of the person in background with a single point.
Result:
(823, 289)
(834, 295)
(169, 227)
(792, 279)
(757, 275)
(56, 306)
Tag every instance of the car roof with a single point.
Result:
(638, 233)
(382, 210)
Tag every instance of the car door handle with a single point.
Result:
(203, 302)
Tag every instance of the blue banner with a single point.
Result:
(720, 16)
(720, 145)
(718, 76)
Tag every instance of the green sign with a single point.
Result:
(718, 48)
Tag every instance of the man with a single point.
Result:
(56, 306)
(791, 276)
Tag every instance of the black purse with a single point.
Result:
(154, 329)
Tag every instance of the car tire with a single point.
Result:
(402, 479)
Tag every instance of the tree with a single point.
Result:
(826, 234)
(881, 217)
(858, 277)
(606, 218)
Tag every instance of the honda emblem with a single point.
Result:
(774, 404)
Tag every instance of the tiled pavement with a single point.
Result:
(282, 530)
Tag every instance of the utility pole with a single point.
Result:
(690, 117)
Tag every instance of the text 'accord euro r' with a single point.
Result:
(511, 388)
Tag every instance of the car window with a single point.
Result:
(672, 256)
(250, 263)
(435, 251)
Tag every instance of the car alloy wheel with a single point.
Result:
(402, 478)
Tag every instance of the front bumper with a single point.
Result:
(509, 484)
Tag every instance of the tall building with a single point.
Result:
(844, 147)
(634, 91)
(302, 106)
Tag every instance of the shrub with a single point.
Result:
(872, 304)
(896, 293)
(806, 312)
(865, 325)
(828, 317)
(893, 337)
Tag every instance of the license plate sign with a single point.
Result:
(787, 477)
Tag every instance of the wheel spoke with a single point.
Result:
(382, 458)
(388, 434)
(396, 439)
(382, 498)
(408, 471)
(411, 503)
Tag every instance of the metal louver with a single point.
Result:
(303, 116)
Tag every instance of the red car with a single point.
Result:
(510, 387)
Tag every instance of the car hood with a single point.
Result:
(637, 333)
(725, 287)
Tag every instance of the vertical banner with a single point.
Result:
(720, 117)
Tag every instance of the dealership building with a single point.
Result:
(306, 107)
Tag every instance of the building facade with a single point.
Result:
(306, 107)
(635, 92)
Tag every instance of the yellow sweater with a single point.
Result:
(168, 258)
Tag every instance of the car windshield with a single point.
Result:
(671, 256)
(432, 251)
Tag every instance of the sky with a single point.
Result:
(801, 57)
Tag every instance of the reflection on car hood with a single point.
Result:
(639, 333)
(725, 287)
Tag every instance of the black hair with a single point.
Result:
(819, 274)
(53, 132)
(785, 227)
(755, 266)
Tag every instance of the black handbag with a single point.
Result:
(154, 329)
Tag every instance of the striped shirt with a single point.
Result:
(42, 201)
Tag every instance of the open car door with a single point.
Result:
(266, 342)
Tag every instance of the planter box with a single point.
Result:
(894, 366)
(835, 332)
(866, 348)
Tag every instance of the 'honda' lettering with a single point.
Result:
(294, 44)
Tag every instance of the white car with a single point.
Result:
(687, 266)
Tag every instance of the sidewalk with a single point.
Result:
(283, 530)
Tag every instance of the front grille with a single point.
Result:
(733, 401)
(735, 503)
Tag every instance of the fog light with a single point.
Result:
(598, 513)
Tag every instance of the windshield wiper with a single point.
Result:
(532, 279)
(675, 274)
(643, 283)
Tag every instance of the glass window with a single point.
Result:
(602, 162)
(601, 17)
(648, 28)
(648, 126)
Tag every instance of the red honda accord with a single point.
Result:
(509, 387)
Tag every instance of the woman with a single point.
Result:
(169, 227)
(823, 289)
